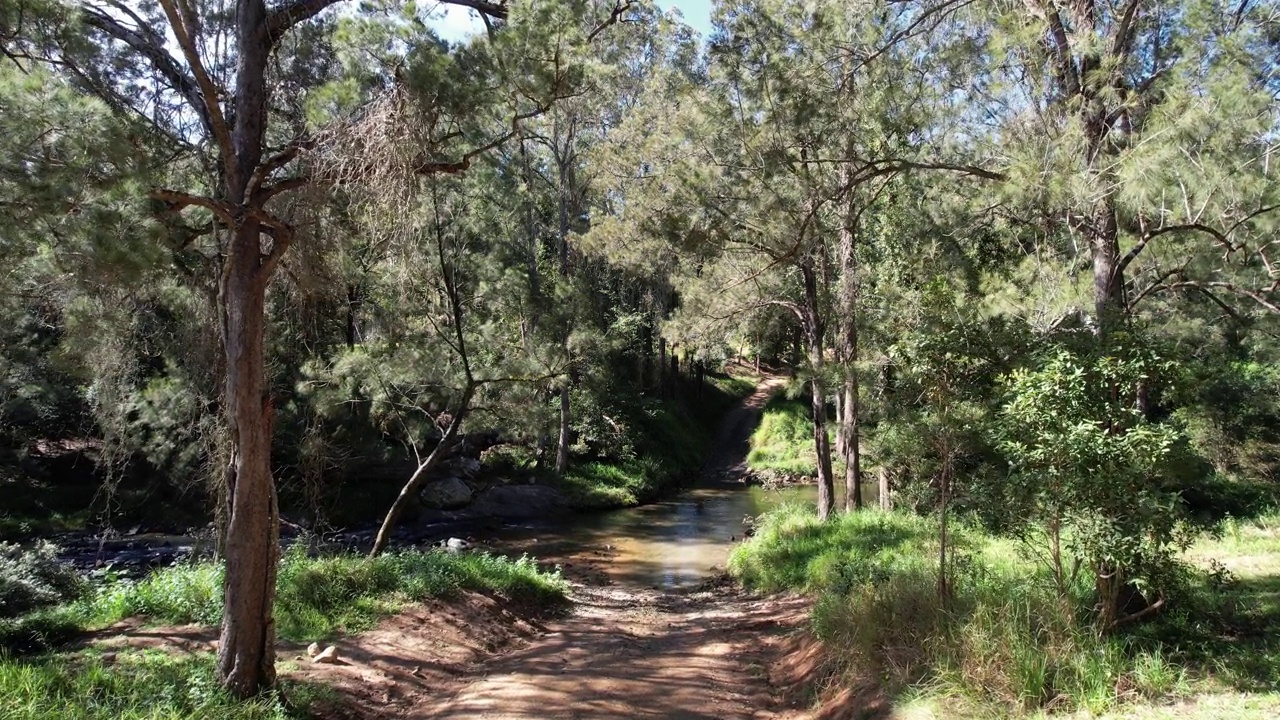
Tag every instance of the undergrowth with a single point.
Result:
(672, 440)
(1003, 644)
(316, 597)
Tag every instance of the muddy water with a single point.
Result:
(678, 542)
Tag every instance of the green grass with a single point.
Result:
(134, 685)
(783, 441)
(320, 597)
(1004, 645)
(316, 598)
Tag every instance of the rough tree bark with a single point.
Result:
(811, 320)
(565, 161)
(562, 443)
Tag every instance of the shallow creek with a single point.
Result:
(681, 541)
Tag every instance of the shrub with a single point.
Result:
(33, 578)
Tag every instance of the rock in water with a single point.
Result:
(327, 656)
(447, 494)
(454, 545)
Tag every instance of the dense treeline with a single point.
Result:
(1022, 255)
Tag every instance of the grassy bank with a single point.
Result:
(1004, 646)
(673, 439)
(316, 599)
(136, 685)
(783, 441)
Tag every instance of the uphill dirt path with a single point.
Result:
(625, 652)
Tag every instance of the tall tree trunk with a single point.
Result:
(246, 652)
(1108, 280)
(839, 402)
(564, 167)
(813, 332)
(847, 319)
(882, 487)
(852, 453)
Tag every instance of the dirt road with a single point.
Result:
(704, 652)
(637, 654)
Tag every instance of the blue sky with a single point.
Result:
(697, 13)
(456, 23)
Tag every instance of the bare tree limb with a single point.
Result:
(176, 200)
(208, 93)
(1258, 296)
(150, 45)
(619, 7)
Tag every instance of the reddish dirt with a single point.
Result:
(624, 653)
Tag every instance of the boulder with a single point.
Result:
(446, 494)
(467, 467)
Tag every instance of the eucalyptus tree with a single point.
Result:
(211, 91)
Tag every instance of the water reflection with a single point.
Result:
(677, 542)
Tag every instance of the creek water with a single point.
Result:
(680, 541)
(677, 542)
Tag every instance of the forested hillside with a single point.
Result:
(325, 261)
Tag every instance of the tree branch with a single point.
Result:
(1060, 46)
(1259, 297)
(209, 93)
(176, 200)
(286, 16)
(150, 45)
(619, 7)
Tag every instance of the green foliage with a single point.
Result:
(783, 441)
(1231, 415)
(181, 594)
(791, 550)
(41, 630)
(1090, 473)
(319, 597)
(1004, 643)
(33, 577)
(656, 445)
